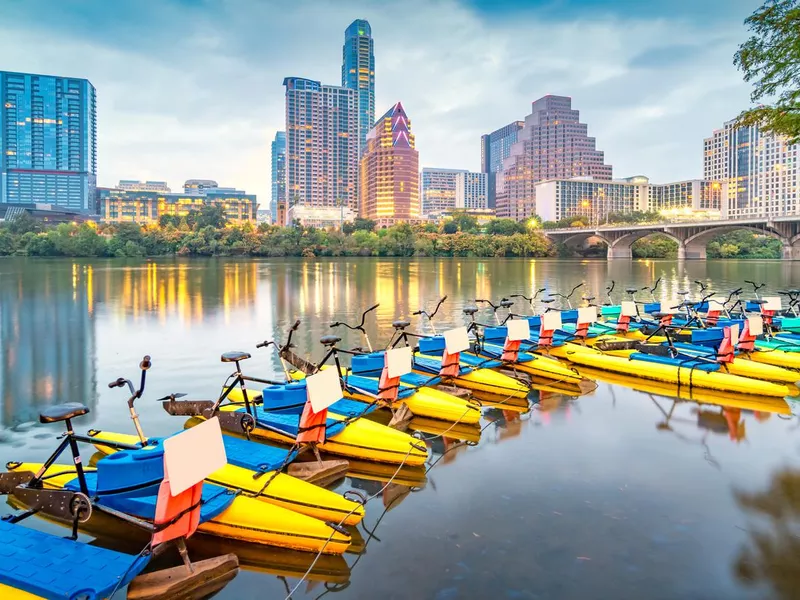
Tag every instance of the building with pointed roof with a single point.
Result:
(389, 190)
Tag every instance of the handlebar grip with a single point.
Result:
(371, 308)
(117, 383)
(145, 364)
(296, 325)
(336, 324)
(263, 344)
(443, 299)
(416, 312)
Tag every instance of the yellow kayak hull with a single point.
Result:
(744, 366)
(548, 368)
(283, 490)
(779, 358)
(678, 376)
(362, 439)
(698, 395)
(488, 381)
(9, 593)
(246, 519)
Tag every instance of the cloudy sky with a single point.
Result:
(192, 88)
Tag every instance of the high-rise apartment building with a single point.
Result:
(278, 155)
(321, 145)
(472, 191)
(553, 144)
(495, 148)
(389, 189)
(358, 74)
(439, 190)
(758, 171)
(48, 141)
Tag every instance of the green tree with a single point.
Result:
(209, 215)
(504, 227)
(450, 227)
(770, 60)
(360, 224)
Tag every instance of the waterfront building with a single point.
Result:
(199, 186)
(758, 171)
(143, 207)
(472, 191)
(495, 148)
(48, 141)
(557, 199)
(278, 155)
(358, 74)
(553, 144)
(439, 190)
(322, 217)
(321, 145)
(133, 185)
(389, 189)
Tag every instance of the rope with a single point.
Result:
(142, 552)
(341, 522)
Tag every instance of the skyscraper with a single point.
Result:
(321, 145)
(553, 144)
(389, 188)
(472, 190)
(439, 190)
(48, 141)
(495, 148)
(358, 73)
(278, 153)
(758, 171)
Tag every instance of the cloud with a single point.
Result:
(193, 88)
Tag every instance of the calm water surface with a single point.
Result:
(615, 494)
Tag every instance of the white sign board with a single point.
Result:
(666, 306)
(324, 388)
(456, 340)
(518, 330)
(756, 325)
(715, 305)
(735, 334)
(193, 455)
(628, 309)
(551, 320)
(772, 303)
(398, 361)
(587, 314)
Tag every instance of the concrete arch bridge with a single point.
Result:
(691, 236)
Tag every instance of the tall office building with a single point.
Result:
(439, 190)
(758, 171)
(389, 188)
(358, 73)
(495, 148)
(472, 191)
(553, 144)
(278, 152)
(48, 141)
(321, 147)
(134, 185)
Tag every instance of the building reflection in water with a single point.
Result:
(47, 339)
(772, 552)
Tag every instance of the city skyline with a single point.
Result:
(645, 98)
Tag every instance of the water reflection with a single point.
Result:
(47, 340)
(772, 552)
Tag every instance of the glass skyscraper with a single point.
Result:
(278, 152)
(48, 141)
(358, 73)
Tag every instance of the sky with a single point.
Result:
(193, 88)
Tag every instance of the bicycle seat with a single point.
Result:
(234, 356)
(548, 300)
(757, 301)
(588, 298)
(329, 340)
(682, 293)
(689, 303)
(400, 324)
(661, 315)
(506, 303)
(62, 412)
(469, 310)
(631, 290)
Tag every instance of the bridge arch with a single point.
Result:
(695, 245)
(622, 246)
(578, 239)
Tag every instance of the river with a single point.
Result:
(615, 494)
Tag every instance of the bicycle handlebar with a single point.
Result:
(359, 327)
(653, 289)
(756, 286)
